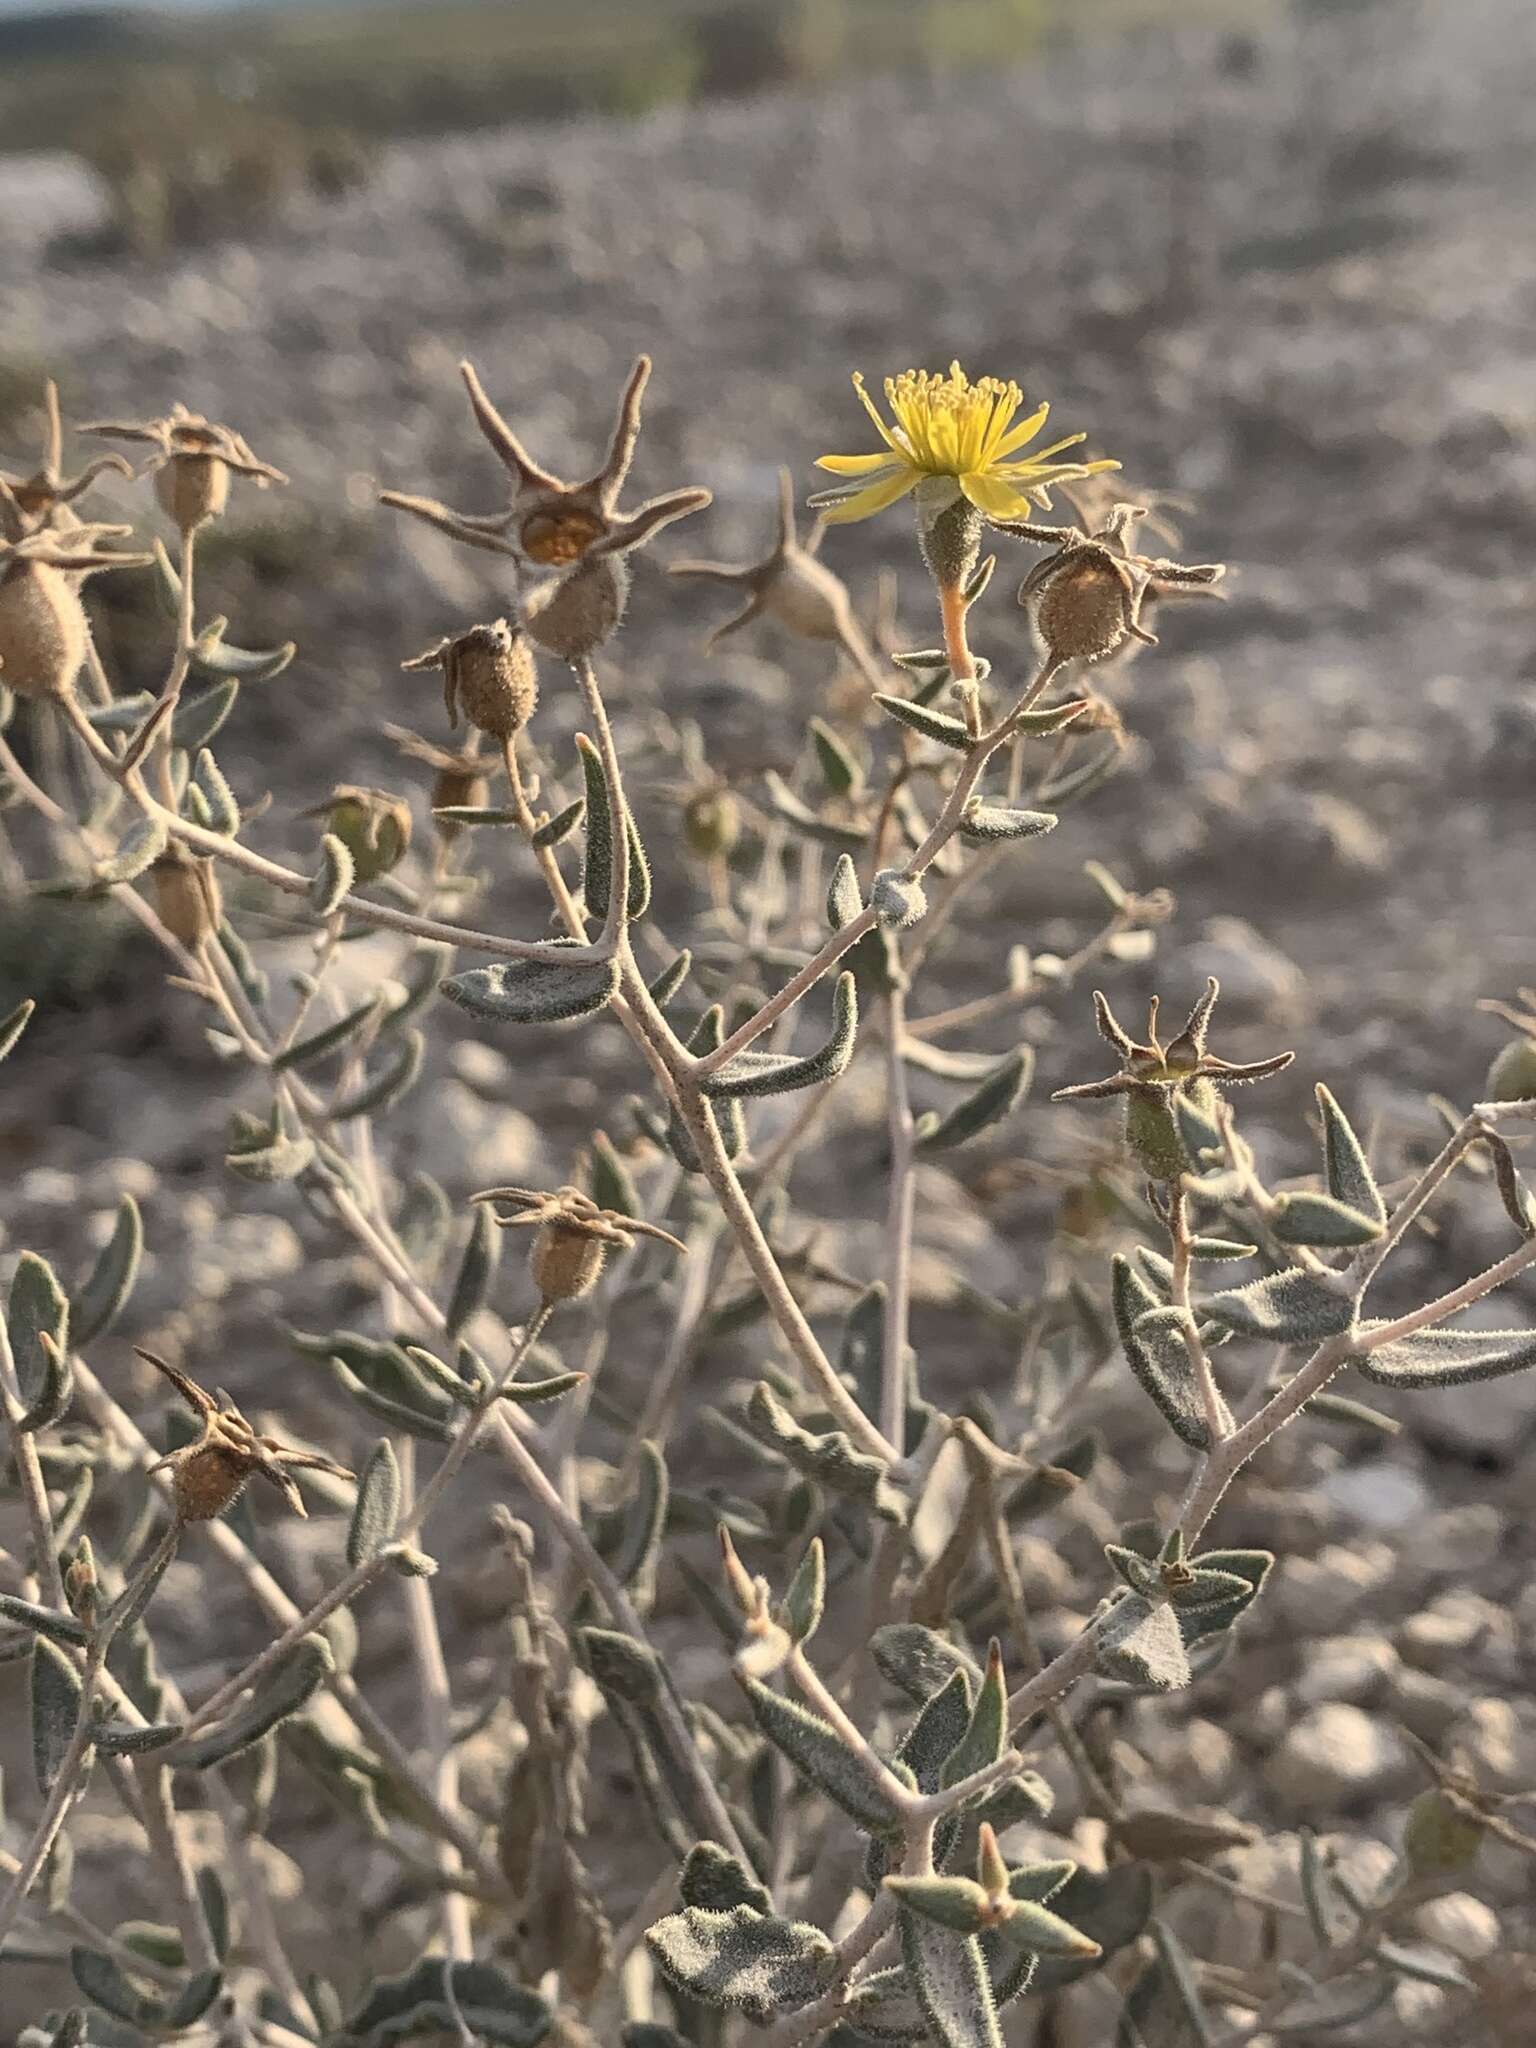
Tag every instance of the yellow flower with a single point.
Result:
(950, 427)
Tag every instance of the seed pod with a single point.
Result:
(205, 1480)
(373, 826)
(566, 1264)
(42, 631)
(1512, 1077)
(573, 615)
(489, 675)
(186, 896)
(1153, 1136)
(192, 489)
(455, 788)
(712, 823)
(558, 535)
(1082, 606)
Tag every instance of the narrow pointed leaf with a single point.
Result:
(807, 1595)
(287, 1687)
(999, 1095)
(58, 1626)
(1348, 1171)
(36, 1306)
(331, 1038)
(382, 1089)
(986, 1735)
(334, 876)
(831, 1458)
(847, 838)
(950, 1978)
(821, 1756)
(1448, 1358)
(1292, 1307)
(12, 1027)
(56, 1706)
(561, 825)
(844, 898)
(1158, 1355)
(839, 769)
(137, 851)
(534, 991)
(477, 1269)
(100, 1301)
(996, 825)
(485, 1998)
(754, 1074)
(933, 725)
(1305, 1217)
(377, 1512)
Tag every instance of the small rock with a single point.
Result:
(1451, 1628)
(1256, 978)
(1357, 1669)
(1322, 1595)
(1500, 1740)
(1199, 1762)
(1459, 1542)
(1335, 1758)
(1462, 1924)
(1381, 1495)
(1426, 1706)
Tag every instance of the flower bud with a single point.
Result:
(948, 530)
(897, 899)
(373, 826)
(574, 615)
(712, 823)
(1152, 1134)
(1512, 1077)
(566, 1264)
(42, 631)
(186, 893)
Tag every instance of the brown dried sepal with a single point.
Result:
(574, 1236)
(209, 1475)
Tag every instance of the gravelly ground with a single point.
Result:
(1290, 277)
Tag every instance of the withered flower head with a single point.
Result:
(550, 523)
(186, 892)
(574, 1236)
(791, 586)
(462, 776)
(192, 463)
(1446, 1824)
(43, 499)
(489, 674)
(1152, 1074)
(1086, 597)
(209, 1475)
(43, 631)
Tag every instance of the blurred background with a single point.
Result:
(1275, 255)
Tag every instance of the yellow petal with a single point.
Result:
(870, 407)
(1039, 460)
(853, 465)
(989, 494)
(1026, 430)
(874, 498)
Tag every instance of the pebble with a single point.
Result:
(1381, 1495)
(1321, 1596)
(1464, 1925)
(1334, 1759)
(1426, 1706)
(1499, 1737)
(1355, 1669)
(1451, 1629)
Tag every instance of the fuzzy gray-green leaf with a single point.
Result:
(1292, 1307)
(58, 1626)
(534, 991)
(752, 1074)
(56, 1706)
(949, 1975)
(1306, 1217)
(289, 1685)
(933, 725)
(99, 1302)
(1158, 1355)
(996, 825)
(1448, 1358)
(753, 1963)
(36, 1306)
(847, 838)
(378, 1505)
(485, 1998)
(1140, 1644)
(820, 1755)
(477, 1269)
(999, 1095)
(831, 1459)
(1348, 1171)
(919, 1661)
(717, 1881)
(137, 851)
(334, 876)
(844, 899)
(385, 1087)
(330, 1038)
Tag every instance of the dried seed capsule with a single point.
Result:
(560, 534)
(374, 827)
(1081, 611)
(205, 1480)
(42, 630)
(566, 1264)
(192, 489)
(490, 674)
(712, 823)
(573, 615)
(458, 789)
(186, 896)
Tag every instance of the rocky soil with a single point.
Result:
(1288, 277)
